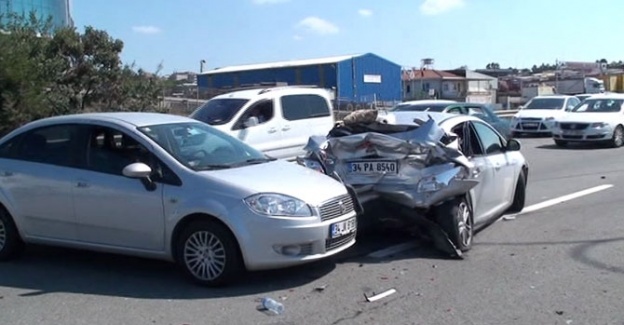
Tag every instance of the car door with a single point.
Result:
(493, 150)
(112, 209)
(36, 173)
(304, 115)
(266, 134)
(484, 202)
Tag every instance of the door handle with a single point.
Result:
(272, 130)
(286, 128)
(82, 184)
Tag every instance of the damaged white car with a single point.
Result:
(446, 174)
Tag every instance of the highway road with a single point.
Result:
(558, 263)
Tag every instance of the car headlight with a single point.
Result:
(278, 205)
(598, 125)
(430, 184)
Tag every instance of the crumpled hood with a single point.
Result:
(590, 117)
(283, 177)
(540, 113)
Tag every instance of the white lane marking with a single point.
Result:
(564, 198)
(393, 249)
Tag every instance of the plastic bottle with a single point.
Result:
(272, 305)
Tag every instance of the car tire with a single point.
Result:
(455, 217)
(11, 244)
(618, 137)
(208, 254)
(561, 143)
(519, 195)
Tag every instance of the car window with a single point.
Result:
(480, 112)
(468, 141)
(110, 151)
(55, 145)
(218, 111)
(298, 107)
(454, 110)
(572, 102)
(490, 140)
(202, 147)
(262, 110)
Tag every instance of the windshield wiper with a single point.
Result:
(213, 167)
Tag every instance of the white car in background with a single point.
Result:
(599, 118)
(539, 114)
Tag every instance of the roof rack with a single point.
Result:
(266, 90)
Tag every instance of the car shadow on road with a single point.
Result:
(43, 270)
(575, 146)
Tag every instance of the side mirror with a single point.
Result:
(513, 145)
(251, 121)
(137, 170)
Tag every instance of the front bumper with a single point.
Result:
(583, 133)
(532, 125)
(275, 242)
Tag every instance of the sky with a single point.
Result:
(181, 33)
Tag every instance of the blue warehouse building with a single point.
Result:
(356, 80)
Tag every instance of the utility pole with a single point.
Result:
(201, 69)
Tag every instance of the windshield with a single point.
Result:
(218, 111)
(545, 103)
(432, 107)
(599, 106)
(202, 147)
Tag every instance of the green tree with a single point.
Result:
(46, 72)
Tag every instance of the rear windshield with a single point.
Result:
(218, 111)
(545, 103)
(419, 107)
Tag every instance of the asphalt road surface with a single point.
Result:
(559, 263)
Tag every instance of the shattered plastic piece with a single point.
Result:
(507, 218)
(379, 296)
(320, 288)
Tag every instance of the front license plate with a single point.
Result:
(531, 125)
(566, 132)
(343, 228)
(374, 167)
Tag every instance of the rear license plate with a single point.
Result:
(343, 228)
(374, 167)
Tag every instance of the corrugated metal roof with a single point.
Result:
(282, 64)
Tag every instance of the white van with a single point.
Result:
(277, 121)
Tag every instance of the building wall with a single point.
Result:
(367, 78)
(59, 10)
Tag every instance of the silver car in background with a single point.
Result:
(166, 187)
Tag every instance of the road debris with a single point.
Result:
(508, 218)
(376, 297)
(320, 288)
(271, 306)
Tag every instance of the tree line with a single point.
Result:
(47, 71)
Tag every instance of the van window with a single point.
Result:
(299, 107)
(218, 111)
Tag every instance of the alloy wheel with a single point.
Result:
(618, 136)
(464, 224)
(204, 255)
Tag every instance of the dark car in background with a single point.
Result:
(482, 111)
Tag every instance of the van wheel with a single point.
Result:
(11, 245)
(208, 254)
(455, 217)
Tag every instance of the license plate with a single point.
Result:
(374, 167)
(343, 228)
(566, 132)
(531, 125)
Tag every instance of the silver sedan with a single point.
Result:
(166, 187)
